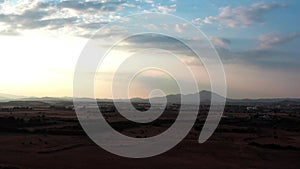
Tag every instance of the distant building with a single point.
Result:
(251, 108)
(264, 117)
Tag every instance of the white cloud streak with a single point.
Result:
(274, 39)
(242, 16)
(220, 42)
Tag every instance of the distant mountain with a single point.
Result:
(3, 98)
(24, 104)
(8, 97)
(205, 97)
(7, 100)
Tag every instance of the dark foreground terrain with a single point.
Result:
(37, 135)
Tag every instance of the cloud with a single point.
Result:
(167, 9)
(209, 19)
(9, 32)
(219, 42)
(268, 59)
(78, 15)
(21, 18)
(243, 16)
(180, 27)
(273, 39)
(197, 22)
(90, 5)
(149, 40)
(95, 25)
(266, 56)
(149, 1)
(32, 19)
(51, 23)
(76, 18)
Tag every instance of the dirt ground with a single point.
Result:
(237, 143)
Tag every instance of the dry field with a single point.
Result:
(53, 139)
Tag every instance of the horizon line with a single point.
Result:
(20, 97)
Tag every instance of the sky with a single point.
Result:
(257, 41)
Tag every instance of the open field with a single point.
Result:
(47, 138)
